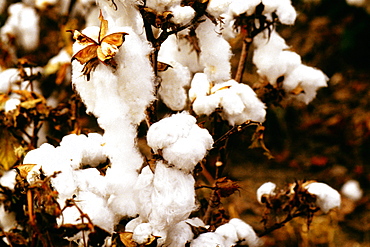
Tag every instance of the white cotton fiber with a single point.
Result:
(238, 7)
(265, 189)
(182, 141)
(218, 7)
(327, 197)
(182, 15)
(173, 198)
(200, 86)
(7, 219)
(142, 233)
(8, 179)
(143, 191)
(228, 232)
(286, 12)
(309, 79)
(208, 239)
(237, 101)
(172, 87)
(179, 235)
(215, 52)
(11, 104)
(352, 190)
(23, 23)
(246, 234)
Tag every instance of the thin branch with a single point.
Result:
(243, 58)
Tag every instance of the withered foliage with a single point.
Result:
(104, 50)
(36, 208)
(286, 204)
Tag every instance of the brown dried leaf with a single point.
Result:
(126, 239)
(8, 143)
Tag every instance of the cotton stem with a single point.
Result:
(243, 58)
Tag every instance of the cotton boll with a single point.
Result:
(8, 179)
(185, 153)
(197, 222)
(218, 7)
(168, 130)
(72, 146)
(200, 86)
(286, 12)
(93, 152)
(352, 190)
(238, 7)
(142, 233)
(172, 86)
(246, 234)
(173, 198)
(11, 104)
(46, 156)
(144, 189)
(23, 23)
(228, 232)
(265, 189)
(90, 180)
(182, 15)
(208, 239)
(309, 79)
(206, 105)
(179, 235)
(132, 224)
(327, 197)
(7, 219)
(215, 52)
(7, 78)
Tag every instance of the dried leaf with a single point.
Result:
(126, 239)
(8, 143)
(297, 90)
(163, 66)
(23, 170)
(31, 103)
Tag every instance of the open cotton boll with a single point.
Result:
(352, 190)
(11, 80)
(208, 239)
(7, 219)
(286, 12)
(173, 198)
(132, 224)
(11, 104)
(182, 15)
(265, 189)
(179, 235)
(172, 89)
(238, 102)
(143, 190)
(238, 7)
(215, 52)
(142, 233)
(93, 152)
(185, 153)
(218, 7)
(246, 234)
(72, 146)
(8, 179)
(23, 23)
(90, 180)
(327, 197)
(200, 86)
(206, 105)
(228, 232)
(168, 130)
(309, 79)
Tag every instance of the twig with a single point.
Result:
(243, 58)
(234, 130)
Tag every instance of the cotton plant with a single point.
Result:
(126, 59)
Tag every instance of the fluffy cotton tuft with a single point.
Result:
(265, 189)
(309, 79)
(327, 197)
(172, 89)
(179, 235)
(200, 86)
(23, 23)
(208, 239)
(238, 102)
(173, 199)
(142, 233)
(182, 141)
(228, 232)
(215, 52)
(352, 190)
(218, 7)
(182, 15)
(246, 234)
